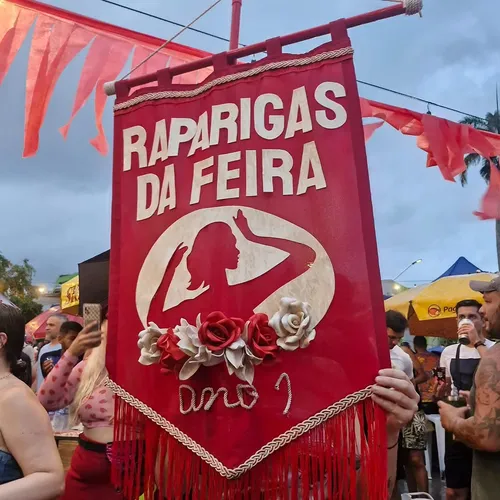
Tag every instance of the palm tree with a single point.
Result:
(491, 123)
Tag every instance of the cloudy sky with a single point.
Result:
(56, 206)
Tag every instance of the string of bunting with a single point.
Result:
(59, 36)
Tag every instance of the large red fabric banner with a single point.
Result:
(246, 319)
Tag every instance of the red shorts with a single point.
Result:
(89, 477)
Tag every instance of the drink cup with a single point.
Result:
(464, 338)
(456, 401)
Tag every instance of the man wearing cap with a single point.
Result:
(460, 362)
(478, 425)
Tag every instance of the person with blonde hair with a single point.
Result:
(81, 384)
(30, 465)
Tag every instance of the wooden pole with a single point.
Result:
(234, 39)
(249, 50)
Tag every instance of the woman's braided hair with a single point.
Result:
(12, 324)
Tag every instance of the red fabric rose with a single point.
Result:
(260, 337)
(219, 331)
(171, 358)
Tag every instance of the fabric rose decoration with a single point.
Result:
(172, 357)
(147, 343)
(257, 342)
(260, 337)
(219, 331)
(242, 346)
(188, 337)
(191, 345)
(222, 337)
(293, 324)
(240, 361)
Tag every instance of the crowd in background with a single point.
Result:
(462, 384)
(71, 373)
(67, 373)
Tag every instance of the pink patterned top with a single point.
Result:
(59, 388)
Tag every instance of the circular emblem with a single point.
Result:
(434, 311)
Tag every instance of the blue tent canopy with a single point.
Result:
(461, 266)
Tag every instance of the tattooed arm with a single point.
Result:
(482, 431)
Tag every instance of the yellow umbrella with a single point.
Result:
(70, 296)
(430, 309)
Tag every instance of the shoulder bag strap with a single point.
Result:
(458, 382)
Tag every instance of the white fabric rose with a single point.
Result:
(147, 344)
(293, 324)
(240, 361)
(189, 343)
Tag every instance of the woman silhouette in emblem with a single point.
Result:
(214, 252)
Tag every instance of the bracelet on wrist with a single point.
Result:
(479, 343)
(394, 445)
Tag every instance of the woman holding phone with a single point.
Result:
(30, 465)
(81, 385)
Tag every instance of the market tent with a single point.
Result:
(391, 287)
(402, 301)
(36, 327)
(94, 279)
(430, 309)
(64, 278)
(70, 296)
(460, 267)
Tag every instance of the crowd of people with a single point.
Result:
(462, 384)
(71, 374)
(65, 382)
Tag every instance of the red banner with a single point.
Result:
(244, 278)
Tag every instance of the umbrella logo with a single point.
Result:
(434, 311)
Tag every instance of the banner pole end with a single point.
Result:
(413, 7)
(109, 88)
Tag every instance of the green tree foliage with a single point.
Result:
(16, 283)
(491, 123)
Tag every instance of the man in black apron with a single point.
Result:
(460, 362)
(481, 431)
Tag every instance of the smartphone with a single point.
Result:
(440, 374)
(91, 313)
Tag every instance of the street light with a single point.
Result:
(418, 261)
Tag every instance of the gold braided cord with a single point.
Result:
(274, 445)
(291, 63)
